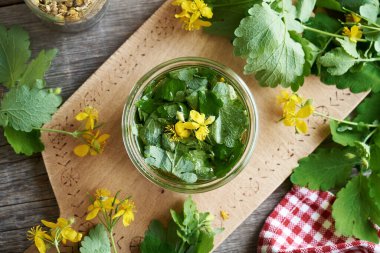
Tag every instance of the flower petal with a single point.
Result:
(181, 130)
(305, 111)
(81, 150)
(71, 235)
(289, 120)
(49, 224)
(118, 214)
(91, 215)
(40, 244)
(197, 117)
(210, 120)
(128, 217)
(202, 133)
(103, 138)
(301, 126)
(81, 116)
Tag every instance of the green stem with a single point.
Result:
(344, 121)
(57, 247)
(328, 33)
(368, 60)
(113, 241)
(182, 248)
(233, 4)
(73, 134)
(368, 21)
(371, 27)
(370, 135)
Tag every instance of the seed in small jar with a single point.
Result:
(72, 14)
(69, 3)
(62, 9)
(79, 3)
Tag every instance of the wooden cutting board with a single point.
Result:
(159, 39)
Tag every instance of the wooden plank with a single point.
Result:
(10, 2)
(160, 39)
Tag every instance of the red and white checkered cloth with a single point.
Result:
(302, 222)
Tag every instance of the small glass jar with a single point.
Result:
(60, 16)
(129, 125)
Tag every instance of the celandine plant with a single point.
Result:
(350, 165)
(26, 103)
(337, 40)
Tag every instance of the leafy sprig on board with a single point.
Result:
(187, 232)
(284, 41)
(351, 165)
(26, 103)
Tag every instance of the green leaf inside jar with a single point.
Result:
(169, 99)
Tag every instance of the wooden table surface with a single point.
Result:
(26, 196)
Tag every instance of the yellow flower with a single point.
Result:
(92, 116)
(183, 129)
(126, 209)
(102, 204)
(94, 144)
(102, 194)
(170, 130)
(289, 101)
(297, 118)
(200, 119)
(225, 215)
(63, 230)
(192, 12)
(354, 34)
(353, 18)
(39, 237)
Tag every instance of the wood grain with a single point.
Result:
(26, 195)
(159, 39)
(10, 2)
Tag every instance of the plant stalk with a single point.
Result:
(73, 134)
(233, 4)
(113, 241)
(344, 121)
(328, 33)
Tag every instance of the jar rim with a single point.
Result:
(130, 142)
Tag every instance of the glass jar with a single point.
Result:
(129, 125)
(62, 17)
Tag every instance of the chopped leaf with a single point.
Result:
(14, 53)
(230, 125)
(151, 132)
(184, 169)
(168, 88)
(26, 143)
(37, 68)
(277, 59)
(305, 9)
(26, 109)
(209, 103)
(352, 208)
(323, 171)
(337, 61)
(96, 242)
(158, 158)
